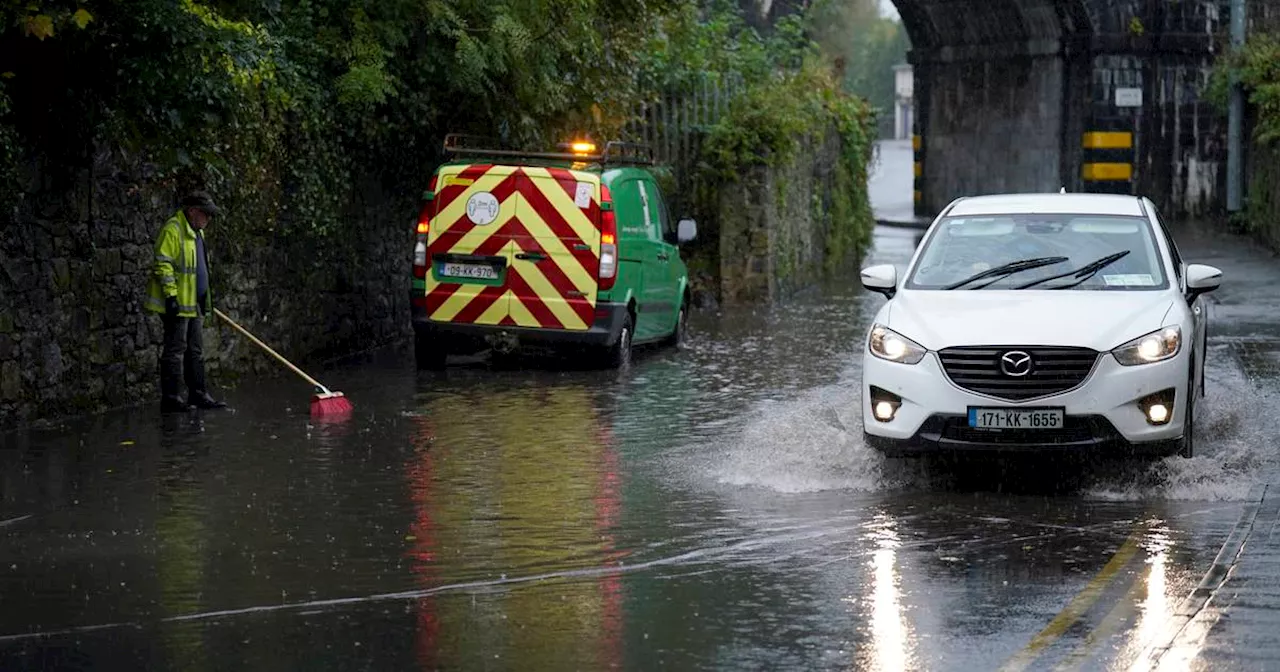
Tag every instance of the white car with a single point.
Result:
(1034, 322)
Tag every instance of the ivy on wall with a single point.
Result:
(1257, 65)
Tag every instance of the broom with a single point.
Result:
(325, 402)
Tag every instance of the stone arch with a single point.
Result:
(955, 24)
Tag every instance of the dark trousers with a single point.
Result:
(182, 357)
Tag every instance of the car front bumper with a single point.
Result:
(1102, 413)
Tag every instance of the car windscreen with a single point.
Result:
(1041, 251)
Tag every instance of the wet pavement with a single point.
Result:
(710, 509)
(891, 183)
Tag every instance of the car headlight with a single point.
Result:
(1156, 346)
(888, 344)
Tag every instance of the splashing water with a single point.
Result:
(814, 443)
(808, 444)
(1236, 446)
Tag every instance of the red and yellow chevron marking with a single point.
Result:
(537, 214)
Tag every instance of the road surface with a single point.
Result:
(710, 509)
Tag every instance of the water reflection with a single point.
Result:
(181, 552)
(421, 538)
(608, 513)
(1156, 607)
(534, 487)
(891, 638)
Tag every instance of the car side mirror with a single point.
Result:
(882, 279)
(1201, 279)
(686, 230)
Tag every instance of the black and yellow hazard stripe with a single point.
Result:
(1108, 157)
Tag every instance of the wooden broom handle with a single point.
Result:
(266, 347)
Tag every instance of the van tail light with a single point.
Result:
(423, 229)
(608, 240)
(420, 244)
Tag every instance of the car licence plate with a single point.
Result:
(1009, 418)
(474, 271)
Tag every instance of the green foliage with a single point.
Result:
(765, 124)
(283, 109)
(367, 83)
(717, 40)
(867, 46)
(791, 94)
(43, 19)
(1258, 67)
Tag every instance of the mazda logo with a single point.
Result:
(1015, 363)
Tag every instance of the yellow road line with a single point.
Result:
(1078, 605)
(1108, 627)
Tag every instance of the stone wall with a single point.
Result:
(74, 260)
(775, 224)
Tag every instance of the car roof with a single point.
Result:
(1065, 204)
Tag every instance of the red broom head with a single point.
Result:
(331, 406)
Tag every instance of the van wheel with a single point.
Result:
(429, 354)
(618, 356)
(681, 333)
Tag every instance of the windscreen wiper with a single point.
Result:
(1081, 274)
(1007, 269)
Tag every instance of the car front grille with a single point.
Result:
(1052, 370)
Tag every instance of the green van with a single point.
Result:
(571, 249)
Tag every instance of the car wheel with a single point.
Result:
(428, 354)
(678, 337)
(1187, 444)
(618, 356)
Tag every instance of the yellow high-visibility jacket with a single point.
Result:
(174, 271)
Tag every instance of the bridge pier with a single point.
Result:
(984, 128)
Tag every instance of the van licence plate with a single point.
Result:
(473, 271)
(1008, 418)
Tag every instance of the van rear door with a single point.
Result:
(469, 249)
(556, 260)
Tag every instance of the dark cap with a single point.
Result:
(203, 201)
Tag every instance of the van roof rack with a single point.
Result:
(619, 152)
(616, 152)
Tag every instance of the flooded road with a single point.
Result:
(709, 509)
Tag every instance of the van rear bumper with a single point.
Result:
(603, 332)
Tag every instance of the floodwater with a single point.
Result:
(709, 509)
